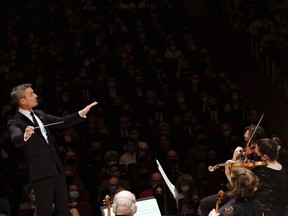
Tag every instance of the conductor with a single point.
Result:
(30, 129)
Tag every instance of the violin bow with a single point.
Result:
(253, 134)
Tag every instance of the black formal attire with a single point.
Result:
(244, 207)
(45, 167)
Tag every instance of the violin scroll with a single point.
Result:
(213, 168)
(219, 199)
(107, 203)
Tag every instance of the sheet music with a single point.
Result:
(171, 187)
(145, 207)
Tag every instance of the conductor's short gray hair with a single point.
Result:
(18, 92)
(124, 202)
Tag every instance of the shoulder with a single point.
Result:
(39, 112)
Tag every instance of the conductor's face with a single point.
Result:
(29, 100)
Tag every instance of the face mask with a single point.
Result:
(226, 133)
(132, 149)
(235, 98)
(194, 81)
(74, 195)
(96, 153)
(71, 161)
(32, 198)
(116, 174)
(181, 101)
(213, 107)
(112, 188)
(185, 188)
(204, 100)
(70, 179)
(67, 138)
(154, 185)
(158, 196)
(254, 119)
(173, 161)
(65, 98)
(135, 137)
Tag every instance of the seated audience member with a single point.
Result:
(134, 134)
(186, 190)
(77, 201)
(110, 186)
(155, 181)
(159, 196)
(124, 203)
(72, 177)
(129, 157)
(30, 204)
(174, 167)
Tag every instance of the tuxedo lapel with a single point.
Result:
(25, 119)
(29, 122)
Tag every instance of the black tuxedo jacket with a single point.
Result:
(43, 160)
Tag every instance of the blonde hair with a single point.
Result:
(244, 183)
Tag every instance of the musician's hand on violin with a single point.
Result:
(213, 213)
(228, 169)
(237, 153)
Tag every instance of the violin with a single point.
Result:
(107, 203)
(244, 162)
(249, 165)
(219, 200)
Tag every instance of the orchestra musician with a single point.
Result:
(272, 189)
(240, 154)
(244, 183)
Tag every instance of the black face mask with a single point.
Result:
(69, 180)
(96, 153)
(158, 197)
(173, 162)
(71, 161)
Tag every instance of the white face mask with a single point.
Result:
(67, 138)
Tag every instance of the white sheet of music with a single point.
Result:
(171, 187)
(145, 207)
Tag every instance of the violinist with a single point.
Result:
(244, 183)
(240, 155)
(252, 134)
(272, 191)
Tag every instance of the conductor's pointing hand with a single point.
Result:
(84, 111)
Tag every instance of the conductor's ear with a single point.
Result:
(22, 100)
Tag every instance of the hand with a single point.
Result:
(213, 213)
(237, 153)
(28, 132)
(84, 111)
(228, 169)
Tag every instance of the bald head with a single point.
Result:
(124, 203)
